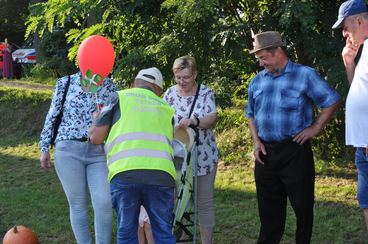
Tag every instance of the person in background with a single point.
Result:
(8, 71)
(353, 19)
(204, 117)
(137, 126)
(80, 165)
(280, 113)
(144, 228)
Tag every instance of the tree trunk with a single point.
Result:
(36, 37)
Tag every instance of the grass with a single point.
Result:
(337, 217)
(30, 196)
(34, 198)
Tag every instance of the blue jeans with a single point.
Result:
(361, 162)
(82, 170)
(158, 201)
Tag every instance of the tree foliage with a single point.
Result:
(217, 32)
(13, 14)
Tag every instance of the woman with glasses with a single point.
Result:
(203, 116)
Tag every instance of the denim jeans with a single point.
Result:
(361, 162)
(158, 201)
(82, 170)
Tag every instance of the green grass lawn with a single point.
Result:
(34, 198)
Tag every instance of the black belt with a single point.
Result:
(83, 139)
(276, 143)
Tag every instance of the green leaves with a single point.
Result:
(90, 81)
(98, 78)
(217, 33)
(89, 74)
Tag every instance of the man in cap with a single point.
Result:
(280, 109)
(353, 19)
(138, 127)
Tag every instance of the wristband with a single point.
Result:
(197, 121)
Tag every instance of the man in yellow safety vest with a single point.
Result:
(137, 126)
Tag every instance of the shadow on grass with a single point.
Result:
(237, 220)
(34, 198)
(343, 170)
(17, 140)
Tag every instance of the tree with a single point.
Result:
(13, 14)
(217, 32)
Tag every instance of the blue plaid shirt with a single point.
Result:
(282, 106)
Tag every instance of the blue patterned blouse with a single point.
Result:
(78, 108)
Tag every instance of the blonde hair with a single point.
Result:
(185, 62)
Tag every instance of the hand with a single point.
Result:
(185, 123)
(258, 149)
(45, 161)
(349, 53)
(95, 115)
(306, 134)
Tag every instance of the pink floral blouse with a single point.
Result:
(208, 153)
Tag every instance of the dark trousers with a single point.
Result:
(288, 172)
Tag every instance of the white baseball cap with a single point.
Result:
(152, 75)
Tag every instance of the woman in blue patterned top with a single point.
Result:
(80, 165)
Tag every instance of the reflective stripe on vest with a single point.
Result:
(139, 153)
(136, 136)
(141, 138)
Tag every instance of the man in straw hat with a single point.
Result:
(280, 109)
(353, 19)
(139, 130)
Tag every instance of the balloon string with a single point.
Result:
(98, 107)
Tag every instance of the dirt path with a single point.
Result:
(24, 84)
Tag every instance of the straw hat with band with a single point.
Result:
(185, 136)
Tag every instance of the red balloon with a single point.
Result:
(96, 53)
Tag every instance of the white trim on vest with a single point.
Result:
(137, 136)
(139, 153)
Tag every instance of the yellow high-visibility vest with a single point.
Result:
(141, 138)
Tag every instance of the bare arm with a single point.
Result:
(206, 122)
(348, 56)
(98, 134)
(323, 118)
(258, 145)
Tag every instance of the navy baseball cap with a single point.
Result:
(349, 8)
